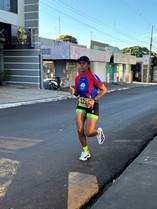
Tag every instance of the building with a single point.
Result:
(118, 69)
(26, 56)
(30, 59)
(140, 71)
(59, 59)
(19, 41)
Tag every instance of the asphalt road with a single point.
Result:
(39, 149)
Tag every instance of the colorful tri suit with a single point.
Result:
(87, 86)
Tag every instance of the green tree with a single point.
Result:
(136, 50)
(154, 54)
(67, 38)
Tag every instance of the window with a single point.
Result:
(9, 5)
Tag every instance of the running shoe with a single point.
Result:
(100, 136)
(85, 156)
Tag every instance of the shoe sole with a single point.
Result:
(104, 137)
(102, 141)
(85, 159)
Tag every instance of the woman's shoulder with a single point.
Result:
(94, 75)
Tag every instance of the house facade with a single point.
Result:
(118, 69)
(123, 64)
(59, 59)
(19, 41)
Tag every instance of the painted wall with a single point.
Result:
(59, 67)
(94, 55)
(124, 58)
(100, 69)
(127, 74)
(23, 64)
(110, 72)
(61, 51)
(56, 52)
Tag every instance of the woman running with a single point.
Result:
(89, 89)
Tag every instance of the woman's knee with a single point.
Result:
(80, 131)
(89, 133)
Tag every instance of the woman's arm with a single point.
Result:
(102, 92)
(73, 91)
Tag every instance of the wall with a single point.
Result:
(12, 18)
(100, 69)
(94, 55)
(24, 64)
(110, 72)
(59, 67)
(155, 74)
(127, 73)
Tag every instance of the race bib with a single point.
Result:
(83, 102)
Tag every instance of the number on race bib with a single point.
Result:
(83, 102)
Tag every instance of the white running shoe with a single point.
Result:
(84, 156)
(100, 136)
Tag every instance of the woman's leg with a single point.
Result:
(80, 121)
(90, 127)
(90, 130)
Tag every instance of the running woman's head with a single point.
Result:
(83, 64)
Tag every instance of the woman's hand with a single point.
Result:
(90, 103)
(72, 90)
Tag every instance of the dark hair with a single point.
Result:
(84, 59)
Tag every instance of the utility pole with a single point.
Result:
(59, 26)
(149, 58)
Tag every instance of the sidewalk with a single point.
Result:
(12, 96)
(136, 188)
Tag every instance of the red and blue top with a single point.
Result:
(87, 85)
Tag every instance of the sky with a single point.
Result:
(119, 23)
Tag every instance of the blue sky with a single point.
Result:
(121, 23)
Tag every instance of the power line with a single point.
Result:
(90, 21)
(94, 20)
(137, 11)
(90, 26)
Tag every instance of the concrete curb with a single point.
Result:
(57, 98)
(16, 104)
(36, 101)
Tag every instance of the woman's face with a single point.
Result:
(83, 66)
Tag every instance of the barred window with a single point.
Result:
(8, 5)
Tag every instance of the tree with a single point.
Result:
(154, 54)
(136, 50)
(67, 38)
